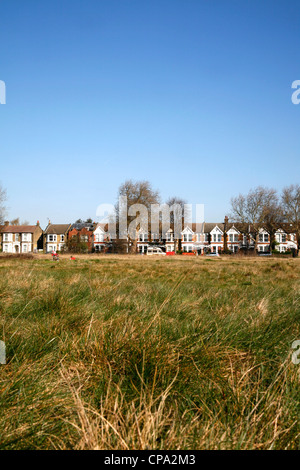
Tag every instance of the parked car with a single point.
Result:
(155, 250)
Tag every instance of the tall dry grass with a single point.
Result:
(137, 353)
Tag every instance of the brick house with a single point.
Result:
(55, 236)
(21, 238)
(101, 238)
(83, 232)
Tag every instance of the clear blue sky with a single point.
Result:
(193, 95)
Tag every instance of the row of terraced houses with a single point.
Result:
(199, 239)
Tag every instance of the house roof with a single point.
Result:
(57, 229)
(287, 228)
(199, 228)
(82, 225)
(19, 228)
(208, 227)
(104, 226)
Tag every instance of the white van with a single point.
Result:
(155, 250)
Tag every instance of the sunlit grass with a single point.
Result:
(136, 353)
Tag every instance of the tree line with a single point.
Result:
(259, 207)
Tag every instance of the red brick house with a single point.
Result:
(83, 232)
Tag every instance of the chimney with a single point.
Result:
(6, 223)
(226, 221)
(38, 223)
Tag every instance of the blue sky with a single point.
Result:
(193, 95)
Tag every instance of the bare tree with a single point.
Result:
(16, 221)
(260, 207)
(178, 203)
(271, 214)
(2, 204)
(290, 200)
(142, 193)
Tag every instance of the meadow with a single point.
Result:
(133, 352)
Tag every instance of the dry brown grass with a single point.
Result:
(142, 353)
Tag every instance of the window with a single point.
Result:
(6, 237)
(143, 237)
(26, 237)
(266, 237)
(260, 237)
(16, 237)
(236, 237)
(284, 238)
(190, 237)
(185, 239)
(24, 248)
(62, 238)
(219, 237)
(52, 238)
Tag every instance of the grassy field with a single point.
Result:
(127, 352)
